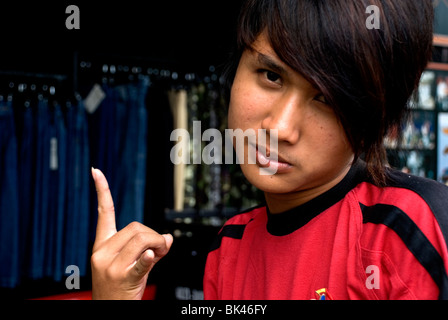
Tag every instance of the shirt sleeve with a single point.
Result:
(403, 249)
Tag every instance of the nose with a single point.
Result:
(284, 115)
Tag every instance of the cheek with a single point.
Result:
(338, 141)
(231, 116)
(240, 109)
(340, 136)
(327, 133)
(245, 108)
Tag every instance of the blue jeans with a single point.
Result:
(27, 168)
(9, 198)
(57, 195)
(78, 175)
(121, 152)
(108, 126)
(41, 191)
(128, 181)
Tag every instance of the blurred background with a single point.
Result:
(108, 95)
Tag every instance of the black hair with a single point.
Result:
(367, 75)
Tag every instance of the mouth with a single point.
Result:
(272, 160)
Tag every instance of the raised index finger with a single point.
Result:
(105, 227)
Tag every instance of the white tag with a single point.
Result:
(54, 153)
(94, 98)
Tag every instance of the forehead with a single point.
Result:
(262, 52)
(263, 46)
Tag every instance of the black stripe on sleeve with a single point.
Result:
(434, 193)
(413, 238)
(234, 231)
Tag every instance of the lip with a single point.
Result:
(280, 164)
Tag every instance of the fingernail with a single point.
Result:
(149, 255)
(168, 237)
(93, 173)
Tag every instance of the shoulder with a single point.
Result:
(246, 215)
(434, 193)
(234, 227)
(416, 197)
(407, 222)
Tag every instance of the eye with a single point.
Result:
(320, 97)
(270, 76)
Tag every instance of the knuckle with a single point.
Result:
(141, 238)
(135, 226)
(96, 260)
(106, 208)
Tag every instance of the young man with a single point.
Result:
(334, 226)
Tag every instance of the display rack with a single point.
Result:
(423, 150)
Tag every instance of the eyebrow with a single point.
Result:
(270, 63)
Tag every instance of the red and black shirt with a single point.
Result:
(356, 241)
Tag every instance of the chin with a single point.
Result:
(276, 183)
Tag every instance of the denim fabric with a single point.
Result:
(77, 210)
(59, 268)
(102, 128)
(72, 199)
(128, 180)
(121, 148)
(9, 198)
(41, 191)
(57, 194)
(45, 182)
(107, 126)
(83, 191)
(26, 171)
(52, 193)
(141, 152)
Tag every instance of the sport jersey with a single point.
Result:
(355, 241)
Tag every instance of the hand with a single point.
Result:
(121, 261)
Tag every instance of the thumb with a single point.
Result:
(168, 239)
(149, 258)
(144, 264)
(162, 250)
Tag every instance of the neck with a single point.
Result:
(281, 202)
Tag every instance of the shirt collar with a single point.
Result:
(284, 223)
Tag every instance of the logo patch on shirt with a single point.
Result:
(323, 294)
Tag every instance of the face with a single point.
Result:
(313, 151)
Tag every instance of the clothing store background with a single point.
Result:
(140, 59)
(108, 95)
